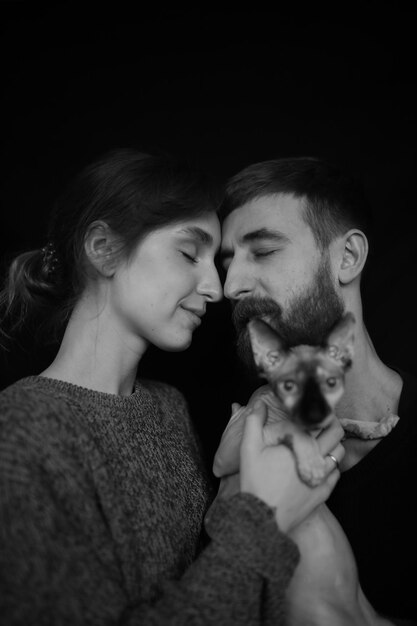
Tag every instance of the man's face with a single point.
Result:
(275, 270)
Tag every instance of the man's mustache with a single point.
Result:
(246, 309)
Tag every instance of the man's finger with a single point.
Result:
(330, 437)
(334, 458)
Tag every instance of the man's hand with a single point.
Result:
(268, 471)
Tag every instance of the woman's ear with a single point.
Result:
(100, 245)
(354, 254)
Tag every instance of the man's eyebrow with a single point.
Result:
(197, 233)
(264, 233)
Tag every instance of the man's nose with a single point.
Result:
(238, 283)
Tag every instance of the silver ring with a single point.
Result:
(333, 458)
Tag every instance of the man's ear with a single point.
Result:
(354, 254)
(100, 246)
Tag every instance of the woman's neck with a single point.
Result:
(96, 353)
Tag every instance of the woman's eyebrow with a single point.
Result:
(197, 233)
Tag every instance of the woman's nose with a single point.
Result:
(211, 286)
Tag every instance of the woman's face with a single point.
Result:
(160, 294)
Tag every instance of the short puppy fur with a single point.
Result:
(308, 381)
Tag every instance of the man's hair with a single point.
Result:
(334, 201)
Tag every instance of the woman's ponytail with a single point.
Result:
(32, 293)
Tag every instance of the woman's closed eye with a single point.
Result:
(190, 256)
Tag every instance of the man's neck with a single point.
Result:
(370, 401)
(372, 391)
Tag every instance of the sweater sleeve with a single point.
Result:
(52, 571)
(247, 557)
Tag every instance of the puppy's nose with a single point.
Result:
(313, 407)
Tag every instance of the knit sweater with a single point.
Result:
(102, 505)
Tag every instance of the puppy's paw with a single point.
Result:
(313, 471)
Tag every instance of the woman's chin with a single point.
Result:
(177, 345)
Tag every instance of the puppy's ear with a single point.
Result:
(267, 347)
(340, 340)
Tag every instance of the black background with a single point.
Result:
(227, 89)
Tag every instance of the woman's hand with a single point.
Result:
(268, 471)
(226, 460)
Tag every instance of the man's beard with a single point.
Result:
(308, 319)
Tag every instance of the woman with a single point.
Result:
(103, 492)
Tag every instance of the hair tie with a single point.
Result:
(50, 258)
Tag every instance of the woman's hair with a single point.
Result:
(133, 193)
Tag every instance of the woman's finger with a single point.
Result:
(253, 440)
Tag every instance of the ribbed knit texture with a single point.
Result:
(102, 503)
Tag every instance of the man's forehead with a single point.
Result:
(281, 212)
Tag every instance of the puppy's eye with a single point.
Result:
(332, 381)
(288, 385)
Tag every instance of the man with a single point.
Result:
(295, 244)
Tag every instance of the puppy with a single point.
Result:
(308, 382)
